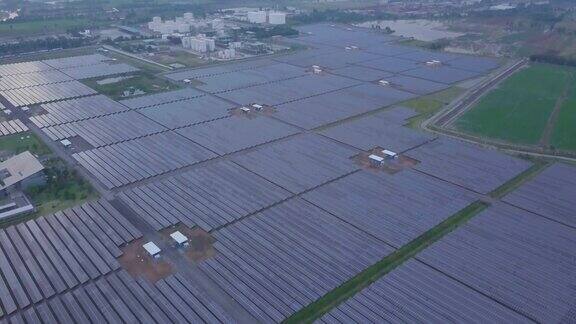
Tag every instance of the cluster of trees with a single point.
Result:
(62, 183)
(263, 33)
(553, 58)
(48, 43)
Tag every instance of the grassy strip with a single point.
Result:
(428, 105)
(332, 299)
(528, 174)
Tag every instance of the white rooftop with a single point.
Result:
(179, 237)
(389, 153)
(66, 142)
(151, 248)
(376, 158)
(18, 168)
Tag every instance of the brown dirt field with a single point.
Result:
(390, 166)
(200, 242)
(136, 261)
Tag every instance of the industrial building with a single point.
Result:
(262, 17)
(199, 43)
(20, 172)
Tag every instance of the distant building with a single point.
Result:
(199, 43)
(277, 18)
(257, 17)
(20, 172)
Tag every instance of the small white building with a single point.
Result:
(376, 160)
(245, 109)
(384, 83)
(434, 63)
(179, 238)
(390, 154)
(152, 249)
(66, 142)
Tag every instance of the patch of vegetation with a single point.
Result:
(426, 106)
(26, 141)
(365, 278)
(519, 109)
(564, 134)
(32, 27)
(146, 82)
(64, 188)
(42, 44)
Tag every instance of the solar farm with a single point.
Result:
(287, 178)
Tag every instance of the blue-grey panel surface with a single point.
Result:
(442, 74)
(467, 165)
(383, 129)
(415, 292)
(551, 194)
(324, 109)
(232, 134)
(250, 77)
(395, 208)
(189, 111)
(161, 98)
(524, 261)
(391, 64)
(300, 163)
(278, 261)
(288, 90)
(361, 73)
(209, 196)
(415, 85)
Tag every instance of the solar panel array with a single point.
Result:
(130, 161)
(415, 292)
(118, 298)
(98, 70)
(72, 110)
(22, 68)
(227, 135)
(161, 98)
(395, 209)
(106, 130)
(188, 112)
(523, 261)
(209, 196)
(550, 194)
(49, 255)
(46, 93)
(246, 78)
(32, 79)
(9, 127)
(383, 129)
(467, 165)
(330, 107)
(300, 163)
(277, 261)
(51, 80)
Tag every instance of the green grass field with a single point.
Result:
(519, 109)
(564, 135)
(28, 28)
(18, 143)
(143, 81)
(427, 106)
